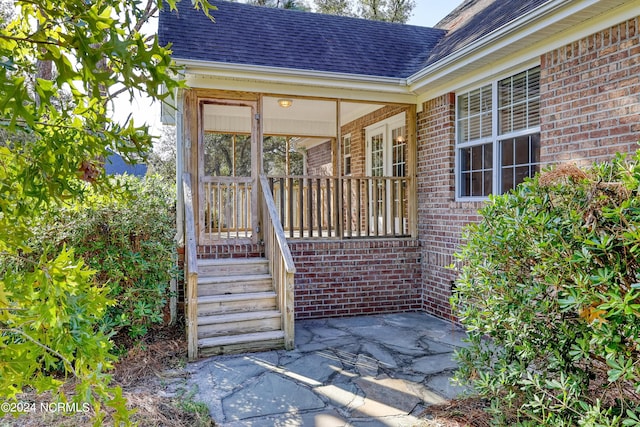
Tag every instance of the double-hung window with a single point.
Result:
(346, 149)
(498, 135)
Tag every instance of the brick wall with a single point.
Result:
(319, 160)
(590, 110)
(355, 277)
(590, 102)
(440, 217)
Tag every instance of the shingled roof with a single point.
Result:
(261, 36)
(254, 35)
(475, 19)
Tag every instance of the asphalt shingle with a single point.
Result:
(254, 35)
(262, 36)
(495, 15)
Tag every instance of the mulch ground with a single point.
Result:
(457, 413)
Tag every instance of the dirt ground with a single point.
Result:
(457, 413)
(141, 374)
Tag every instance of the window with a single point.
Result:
(498, 135)
(346, 149)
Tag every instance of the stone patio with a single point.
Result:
(380, 370)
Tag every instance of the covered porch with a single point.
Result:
(335, 169)
(267, 171)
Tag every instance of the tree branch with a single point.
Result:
(46, 348)
(28, 40)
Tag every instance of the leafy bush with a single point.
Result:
(128, 241)
(549, 292)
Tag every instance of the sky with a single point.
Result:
(427, 13)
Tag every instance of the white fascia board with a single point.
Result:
(480, 47)
(528, 31)
(301, 82)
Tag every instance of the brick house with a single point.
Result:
(403, 132)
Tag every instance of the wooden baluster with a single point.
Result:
(368, 205)
(310, 206)
(291, 206)
(218, 209)
(283, 208)
(329, 201)
(349, 215)
(319, 206)
(301, 205)
(359, 202)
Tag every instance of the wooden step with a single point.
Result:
(239, 323)
(259, 341)
(224, 285)
(233, 266)
(236, 303)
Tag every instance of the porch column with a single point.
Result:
(412, 157)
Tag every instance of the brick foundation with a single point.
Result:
(355, 277)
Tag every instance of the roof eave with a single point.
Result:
(291, 76)
(517, 33)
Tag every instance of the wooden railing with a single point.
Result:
(190, 269)
(226, 210)
(281, 263)
(324, 206)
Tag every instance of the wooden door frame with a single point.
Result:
(256, 165)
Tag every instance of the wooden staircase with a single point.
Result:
(237, 309)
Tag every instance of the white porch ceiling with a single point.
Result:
(304, 118)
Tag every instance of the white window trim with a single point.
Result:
(494, 139)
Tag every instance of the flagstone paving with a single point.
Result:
(369, 371)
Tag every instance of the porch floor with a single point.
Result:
(379, 370)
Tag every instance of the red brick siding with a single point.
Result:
(319, 160)
(355, 277)
(440, 217)
(590, 110)
(590, 104)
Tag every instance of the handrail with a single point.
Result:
(281, 263)
(190, 269)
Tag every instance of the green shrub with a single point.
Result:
(549, 292)
(128, 241)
